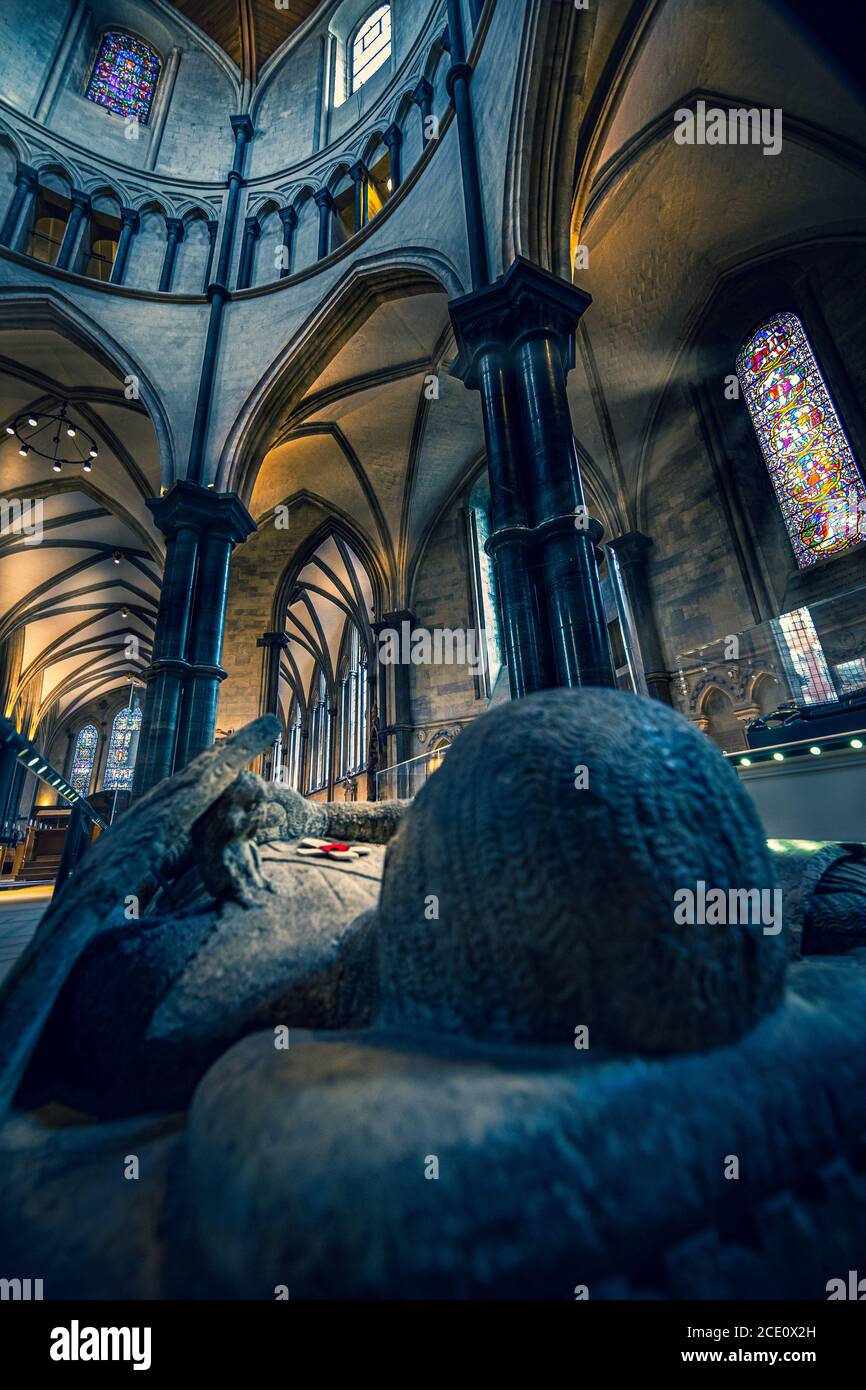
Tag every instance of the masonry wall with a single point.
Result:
(29, 35)
(697, 585)
(257, 567)
(444, 697)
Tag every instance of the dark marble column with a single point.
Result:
(129, 225)
(26, 183)
(274, 644)
(485, 366)
(396, 697)
(423, 99)
(393, 138)
(179, 518)
(289, 219)
(212, 229)
(358, 175)
(327, 208)
(75, 842)
(252, 232)
(227, 523)
(548, 311)
(515, 339)
(632, 556)
(218, 294)
(8, 765)
(243, 132)
(173, 237)
(79, 210)
(457, 83)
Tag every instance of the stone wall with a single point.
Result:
(443, 695)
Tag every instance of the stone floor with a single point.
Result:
(20, 911)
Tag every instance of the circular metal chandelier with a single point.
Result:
(54, 437)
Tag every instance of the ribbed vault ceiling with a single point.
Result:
(62, 599)
(249, 30)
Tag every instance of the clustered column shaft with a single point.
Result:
(201, 528)
(516, 338)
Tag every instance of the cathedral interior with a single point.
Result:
(433, 488)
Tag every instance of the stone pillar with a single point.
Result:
(333, 721)
(178, 517)
(8, 767)
(218, 294)
(212, 229)
(548, 310)
(68, 755)
(57, 66)
(130, 223)
(399, 706)
(393, 138)
(252, 232)
(274, 644)
(243, 132)
(510, 544)
(423, 99)
(358, 175)
(162, 105)
(327, 208)
(174, 236)
(632, 554)
(26, 183)
(515, 340)
(75, 842)
(80, 209)
(225, 522)
(289, 219)
(457, 83)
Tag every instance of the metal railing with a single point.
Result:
(28, 754)
(404, 780)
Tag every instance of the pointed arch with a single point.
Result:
(122, 745)
(820, 489)
(363, 286)
(48, 308)
(83, 758)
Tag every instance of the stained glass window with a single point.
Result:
(120, 763)
(124, 76)
(371, 46)
(818, 484)
(82, 759)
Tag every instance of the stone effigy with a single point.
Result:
(506, 1071)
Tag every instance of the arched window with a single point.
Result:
(122, 745)
(371, 46)
(353, 705)
(82, 759)
(99, 244)
(124, 76)
(818, 484)
(294, 752)
(48, 222)
(320, 736)
(483, 583)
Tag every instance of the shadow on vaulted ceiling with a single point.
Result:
(249, 30)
